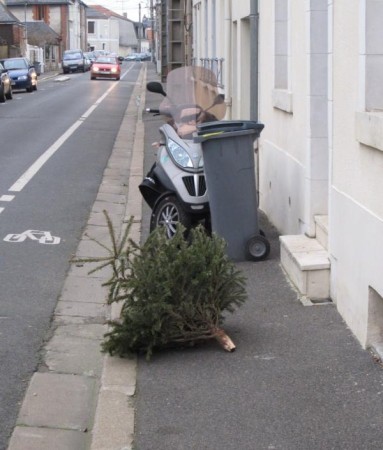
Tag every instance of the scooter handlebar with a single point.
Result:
(151, 110)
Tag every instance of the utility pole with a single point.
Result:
(152, 42)
(26, 29)
(139, 28)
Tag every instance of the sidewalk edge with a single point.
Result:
(114, 417)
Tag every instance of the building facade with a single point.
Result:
(110, 31)
(67, 18)
(12, 33)
(314, 79)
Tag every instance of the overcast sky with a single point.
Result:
(131, 7)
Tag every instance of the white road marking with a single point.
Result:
(1, 210)
(43, 237)
(6, 198)
(38, 164)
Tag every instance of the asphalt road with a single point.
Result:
(54, 146)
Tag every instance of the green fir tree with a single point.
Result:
(174, 291)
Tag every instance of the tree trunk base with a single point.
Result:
(224, 340)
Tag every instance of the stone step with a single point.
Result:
(307, 264)
(321, 230)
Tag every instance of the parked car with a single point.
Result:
(87, 62)
(73, 61)
(138, 57)
(131, 57)
(91, 56)
(147, 56)
(105, 67)
(21, 72)
(5, 85)
(98, 53)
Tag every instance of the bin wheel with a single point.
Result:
(169, 214)
(258, 248)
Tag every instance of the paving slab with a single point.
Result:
(82, 309)
(83, 269)
(98, 218)
(111, 208)
(117, 174)
(100, 233)
(74, 355)
(32, 438)
(88, 248)
(84, 289)
(58, 401)
(114, 188)
(90, 331)
(111, 198)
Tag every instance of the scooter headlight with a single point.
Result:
(179, 155)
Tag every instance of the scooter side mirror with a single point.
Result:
(155, 86)
(218, 100)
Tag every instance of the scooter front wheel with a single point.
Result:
(169, 214)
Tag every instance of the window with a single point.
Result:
(374, 55)
(91, 27)
(40, 12)
(281, 45)
(282, 97)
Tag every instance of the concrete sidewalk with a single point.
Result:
(298, 379)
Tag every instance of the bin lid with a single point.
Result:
(228, 126)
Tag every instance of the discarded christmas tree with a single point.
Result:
(174, 291)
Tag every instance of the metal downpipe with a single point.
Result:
(254, 31)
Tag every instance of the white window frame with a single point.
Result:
(369, 118)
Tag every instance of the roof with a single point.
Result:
(40, 2)
(100, 12)
(40, 33)
(6, 16)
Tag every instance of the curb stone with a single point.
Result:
(80, 398)
(119, 375)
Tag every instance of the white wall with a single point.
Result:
(285, 113)
(106, 36)
(321, 151)
(356, 214)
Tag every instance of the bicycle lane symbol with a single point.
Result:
(43, 237)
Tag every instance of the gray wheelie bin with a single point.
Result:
(228, 154)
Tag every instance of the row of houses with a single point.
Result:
(43, 29)
(311, 71)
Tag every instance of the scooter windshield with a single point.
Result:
(192, 98)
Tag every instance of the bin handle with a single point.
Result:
(213, 134)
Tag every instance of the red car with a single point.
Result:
(105, 67)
